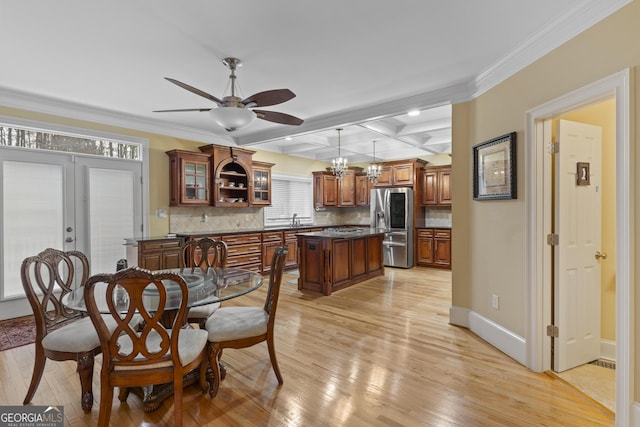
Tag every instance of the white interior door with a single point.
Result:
(577, 219)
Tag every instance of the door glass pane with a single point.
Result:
(33, 216)
(111, 216)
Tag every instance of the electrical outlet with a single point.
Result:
(495, 302)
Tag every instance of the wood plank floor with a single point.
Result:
(380, 353)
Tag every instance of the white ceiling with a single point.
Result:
(354, 64)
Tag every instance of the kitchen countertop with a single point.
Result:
(343, 233)
(134, 240)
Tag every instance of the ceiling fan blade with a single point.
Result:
(182, 109)
(274, 116)
(269, 97)
(195, 90)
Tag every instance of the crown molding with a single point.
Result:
(46, 105)
(561, 29)
(449, 95)
(564, 27)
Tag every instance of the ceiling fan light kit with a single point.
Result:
(233, 113)
(231, 118)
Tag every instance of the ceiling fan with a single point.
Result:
(232, 112)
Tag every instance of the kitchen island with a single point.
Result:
(334, 259)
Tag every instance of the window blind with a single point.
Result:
(289, 194)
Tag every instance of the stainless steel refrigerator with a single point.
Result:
(392, 212)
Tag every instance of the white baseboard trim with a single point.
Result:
(498, 336)
(608, 349)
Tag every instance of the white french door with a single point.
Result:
(65, 201)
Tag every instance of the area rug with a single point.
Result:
(17, 332)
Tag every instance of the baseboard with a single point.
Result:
(608, 350)
(498, 336)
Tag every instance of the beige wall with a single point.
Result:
(603, 114)
(495, 257)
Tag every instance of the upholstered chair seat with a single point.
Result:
(78, 336)
(234, 323)
(202, 312)
(190, 344)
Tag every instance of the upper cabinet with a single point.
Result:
(362, 189)
(436, 186)
(261, 194)
(325, 189)
(232, 175)
(218, 176)
(189, 178)
(328, 190)
(400, 173)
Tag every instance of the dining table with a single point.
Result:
(205, 286)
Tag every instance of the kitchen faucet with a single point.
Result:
(293, 220)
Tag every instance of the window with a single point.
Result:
(39, 139)
(289, 194)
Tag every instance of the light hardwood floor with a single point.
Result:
(380, 353)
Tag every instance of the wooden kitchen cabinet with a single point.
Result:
(189, 178)
(231, 169)
(159, 254)
(261, 186)
(291, 242)
(400, 173)
(244, 250)
(325, 189)
(328, 264)
(328, 190)
(362, 189)
(270, 242)
(436, 186)
(434, 247)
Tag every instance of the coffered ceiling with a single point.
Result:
(359, 65)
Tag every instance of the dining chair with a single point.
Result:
(61, 333)
(153, 353)
(240, 327)
(203, 253)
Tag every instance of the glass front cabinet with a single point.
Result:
(218, 176)
(261, 192)
(189, 179)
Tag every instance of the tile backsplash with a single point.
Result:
(206, 219)
(437, 217)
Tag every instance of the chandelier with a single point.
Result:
(374, 170)
(339, 164)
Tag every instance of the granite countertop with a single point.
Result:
(344, 233)
(134, 240)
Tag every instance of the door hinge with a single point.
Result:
(552, 331)
(553, 239)
(554, 147)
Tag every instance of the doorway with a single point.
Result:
(583, 352)
(66, 201)
(538, 181)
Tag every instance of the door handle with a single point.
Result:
(602, 255)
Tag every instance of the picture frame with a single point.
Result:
(494, 168)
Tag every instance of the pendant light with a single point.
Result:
(339, 164)
(374, 170)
